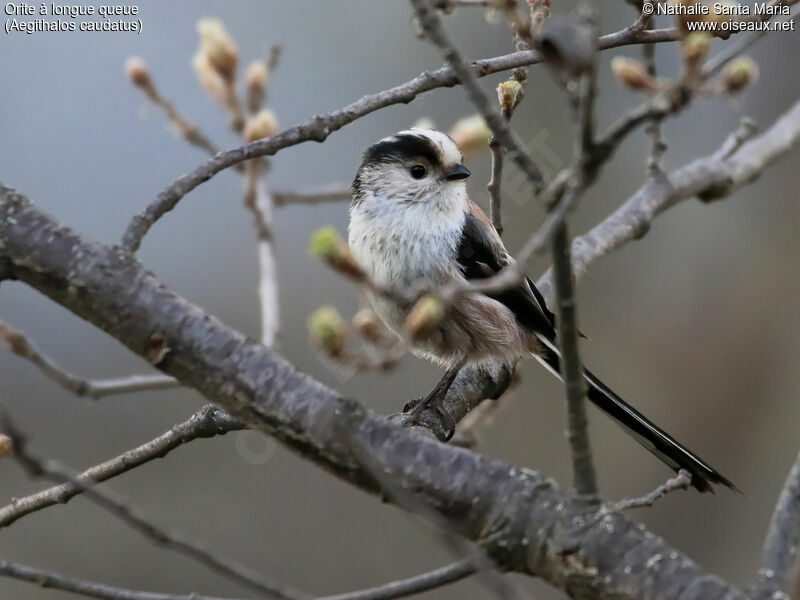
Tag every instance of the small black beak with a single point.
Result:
(457, 172)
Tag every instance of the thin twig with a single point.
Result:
(396, 589)
(36, 466)
(584, 476)
(583, 470)
(259, 202)
(657, 145)
(319, 127)
(187, 130)
(328, 193)
(681, 481)
(432, 25)
(19, 344)
(205, 423)
(494, 187)
(779, 557)
(731, 51)
(90, 589)
(714, 176)
(414, 585)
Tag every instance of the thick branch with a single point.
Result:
(514, 512)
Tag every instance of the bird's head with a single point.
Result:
(411, 167)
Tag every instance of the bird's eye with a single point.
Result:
(418, 171)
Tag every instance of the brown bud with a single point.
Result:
(256, 77)
(424, 318)
(209, 78)
(471, 134)
(509, 95)
(632, 73)
(261, 125)
(328, 330)
(6, 446)
(138, 72)
(695, 48)
(686, 13)
(738, 73)
(368, 324)
(219, 47)
(722, 11)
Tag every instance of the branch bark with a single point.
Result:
(524, 521)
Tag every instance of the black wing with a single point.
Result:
(481, 255)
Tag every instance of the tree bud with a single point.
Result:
(6, 446)
(219, 47)
(471, 134)
(695, 49)
(424, 318)
(209, 78)
(327, 244)
(263, 124)
(256, 77)
(328, 330)
(632, 73)
(738, 73)
(509, 95)
(368, 324)
(138, 72)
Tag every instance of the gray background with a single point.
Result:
(695, 324)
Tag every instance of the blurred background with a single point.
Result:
(696, 324)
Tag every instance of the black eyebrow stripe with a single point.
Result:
(402, 148)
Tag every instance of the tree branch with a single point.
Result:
(119, 507)
(414, 585)
(432, 25)
(319, 127)
(710, 178)
(19, 344)
(783, 538)
(205, 423)
(335, 191)
(91, 589)
(514, 513)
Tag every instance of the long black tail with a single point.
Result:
(656, 440)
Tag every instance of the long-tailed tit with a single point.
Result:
(413, 226)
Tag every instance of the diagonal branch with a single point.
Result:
(783, 539)
(319, 127)
(19, 344)
(414, 585)
(711, 178)
(91, 589)
(432, 25)
(205, 423)
(119, 507)
(523, 520)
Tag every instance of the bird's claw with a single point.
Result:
(420, 405)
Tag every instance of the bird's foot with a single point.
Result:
(418, 406)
